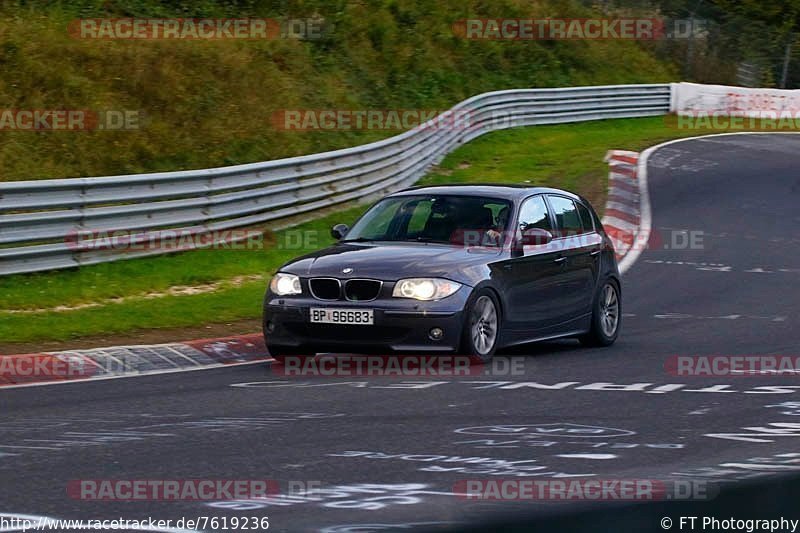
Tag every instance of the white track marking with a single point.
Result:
(596, 456)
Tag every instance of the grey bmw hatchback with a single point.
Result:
(464, 269)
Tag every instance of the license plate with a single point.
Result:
(361, 317)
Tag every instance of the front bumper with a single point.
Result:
(400, 325)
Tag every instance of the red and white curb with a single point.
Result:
(128, 361)
(622, 218)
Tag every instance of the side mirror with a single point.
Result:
(339, 231)
(535, 237)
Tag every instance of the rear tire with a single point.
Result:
(481, 331)
(606, 315)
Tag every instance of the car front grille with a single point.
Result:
(325, 288)
(362, 290)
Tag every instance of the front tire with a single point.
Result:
(481, 331)
(606, 316)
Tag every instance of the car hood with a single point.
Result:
(395, 261)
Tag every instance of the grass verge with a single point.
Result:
(172, 291)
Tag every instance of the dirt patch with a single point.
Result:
(178, 290)
(147, 336)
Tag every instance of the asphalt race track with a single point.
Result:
(390, 452)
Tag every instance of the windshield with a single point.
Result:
(434, 218)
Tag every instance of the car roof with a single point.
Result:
(505, 191)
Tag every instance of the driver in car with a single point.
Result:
(494, 235)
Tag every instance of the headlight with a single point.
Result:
(425, 288)
(285, 284)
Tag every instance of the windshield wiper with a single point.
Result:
(426, 239)
(409, 239)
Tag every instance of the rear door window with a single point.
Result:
(587, 220)
(568, 221)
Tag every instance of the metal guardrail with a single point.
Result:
(40, 220)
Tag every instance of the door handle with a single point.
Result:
(595, 252)
(559, 260)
